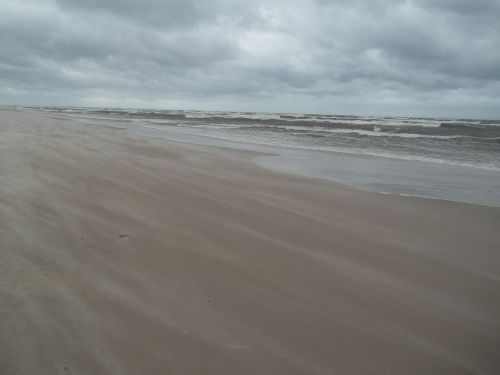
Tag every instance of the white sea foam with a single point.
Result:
(377, 133)
(353, 120)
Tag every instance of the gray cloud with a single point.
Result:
(422, 57)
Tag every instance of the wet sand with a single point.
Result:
(127, 255)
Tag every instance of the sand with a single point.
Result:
(126, 255)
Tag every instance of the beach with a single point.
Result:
(122, 254)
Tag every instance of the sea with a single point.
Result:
(445, 158)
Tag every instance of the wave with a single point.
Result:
(373, 133)
(407, 125)
(375, 126)
(309, 130)
(454, 125)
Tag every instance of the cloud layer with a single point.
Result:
(420, 57)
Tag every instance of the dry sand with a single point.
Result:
(122, 255)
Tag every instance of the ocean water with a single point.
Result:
(463, 142)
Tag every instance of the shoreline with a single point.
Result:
(385, 175)
(126, 254)
(403, 175)
(461, 183)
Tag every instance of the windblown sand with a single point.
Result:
(124, 255)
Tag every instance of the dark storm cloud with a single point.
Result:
(418, 56)
(166, 14)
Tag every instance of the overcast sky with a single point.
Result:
(420, 57)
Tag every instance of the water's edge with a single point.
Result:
(369, 173)
(366, 172)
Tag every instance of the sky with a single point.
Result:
(380, 57)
